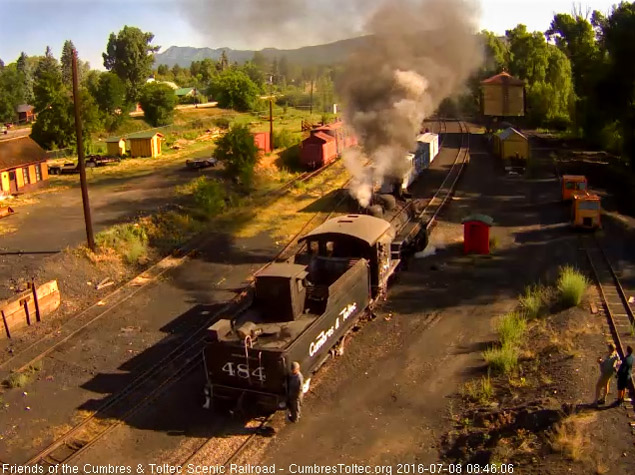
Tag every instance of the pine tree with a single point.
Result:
(67, 63)
(26, 78)
(47, 65)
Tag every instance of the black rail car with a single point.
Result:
(299, 311)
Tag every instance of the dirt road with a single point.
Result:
(56, 220)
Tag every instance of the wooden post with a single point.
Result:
(6, 325)
(25, 302)
(38, 317)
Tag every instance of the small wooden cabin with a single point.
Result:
(25, 113)
(503, 96)
(22, 165)
(116, 146)
(511, 144)
(145, 144)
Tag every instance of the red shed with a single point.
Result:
(263, 141)
(318, 150)
(476, 234)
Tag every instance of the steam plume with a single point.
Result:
(421, 52)
(276, 23)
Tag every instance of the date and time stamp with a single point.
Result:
(248, 469)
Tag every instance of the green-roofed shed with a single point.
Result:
(145, 144)
(185, 91)
(116, 146)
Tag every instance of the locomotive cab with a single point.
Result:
(351, 237)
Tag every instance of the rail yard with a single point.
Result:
(141, 418)
(406, 252)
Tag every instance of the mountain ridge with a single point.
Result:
(317, 55)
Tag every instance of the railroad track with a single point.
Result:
(238, 444)
(613, 299)
(303, 178)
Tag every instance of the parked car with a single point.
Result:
(201, 163)
(4, 129)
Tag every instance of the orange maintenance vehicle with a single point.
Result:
(572, 184)
(586, 211)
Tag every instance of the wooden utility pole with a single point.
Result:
(80, 155)
(271, 123)
(311, 107)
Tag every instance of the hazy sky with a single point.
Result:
(31, 25)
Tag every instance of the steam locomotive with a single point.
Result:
(301, 310)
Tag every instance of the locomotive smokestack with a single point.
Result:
(420, 52)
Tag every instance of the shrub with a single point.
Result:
(285, 139)
(533, 302)
(169, 230)
(21, 379)
(237, 150)
(501, 359)
(208, 196)
(157, 101)
(571, 286)
(130, 241)
(511, 329)
(222, 123)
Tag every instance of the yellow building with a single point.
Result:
(511, 144)
(116, 146)
(145, 144)
(503, 96)
(22, 165)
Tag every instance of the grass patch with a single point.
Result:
(503, 359)
(511, 328)
(129, 240)
(21, 379)
(572, 285)
(480, 391)
(571, 436)
(534, 301)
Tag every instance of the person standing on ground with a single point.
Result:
(294, 392)
(624, 374)
(607, 371)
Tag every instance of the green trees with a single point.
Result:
(110, 96)
(55, 126)
(234, 90)
(618, 36)
(550, 95)
(157, 101)
(237, 150)
(10, 92)
(130, 56)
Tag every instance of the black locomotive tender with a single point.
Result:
(301, 310)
